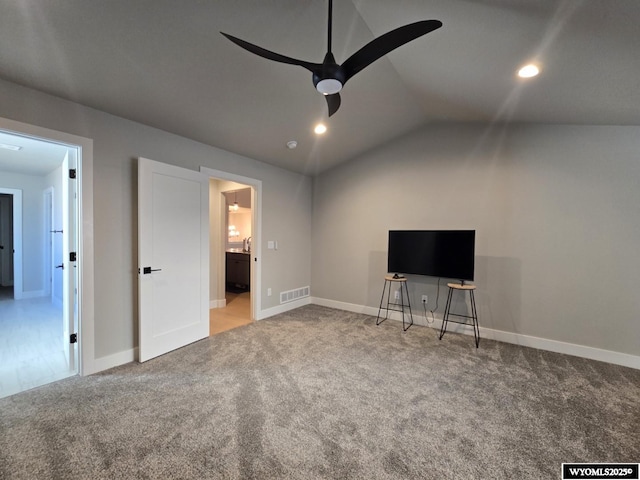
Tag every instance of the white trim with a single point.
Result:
(349, 307)
(218, 303)
(593, 353)
(285, 307)
(115, 360)
(256, 249)
(583, 351)
(33, 294)
(86, 292)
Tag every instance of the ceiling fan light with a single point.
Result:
(329, 86)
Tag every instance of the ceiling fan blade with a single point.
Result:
(333, 101)
(269, 55)
(384, 44)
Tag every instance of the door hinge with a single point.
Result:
(73, 338)
(72, 256)
(72, 173)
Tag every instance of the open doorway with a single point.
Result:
(6, 246)
(234, 221)
(39, 316)
(235, 250)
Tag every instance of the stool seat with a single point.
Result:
(474, 313)
(391, 278)
(461, 286)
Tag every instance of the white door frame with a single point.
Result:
(85, 262)
(48, 199)
(17, 234)
(256, 233)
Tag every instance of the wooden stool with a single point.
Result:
(474, 312)
(399, 307)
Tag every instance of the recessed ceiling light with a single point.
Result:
(320, 129)
(528, 71)
(6, 146)
(291, 144)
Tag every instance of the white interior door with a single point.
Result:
(173, 256)
(69, 257)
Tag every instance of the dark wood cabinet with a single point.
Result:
(238, 267)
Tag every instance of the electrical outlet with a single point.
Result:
(425, 299)
(396, 294)
(268, 292)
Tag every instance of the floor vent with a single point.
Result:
(291, 295)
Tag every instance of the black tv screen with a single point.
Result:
(434, 253)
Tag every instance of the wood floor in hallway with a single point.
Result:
(235, 314)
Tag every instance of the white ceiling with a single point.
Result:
(164, 63)
(35, 157)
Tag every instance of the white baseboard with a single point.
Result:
(31, 294)
(618, 358)
(285, 307)
(110, 361)
(608, 356)
(128, 356)
(218, 303)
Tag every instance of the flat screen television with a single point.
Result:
(434, 253)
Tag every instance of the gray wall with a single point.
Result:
(556, 210)
(286, 204)
(557, 214)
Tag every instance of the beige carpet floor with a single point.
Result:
(319, 393)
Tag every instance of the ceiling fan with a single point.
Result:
(328, 76)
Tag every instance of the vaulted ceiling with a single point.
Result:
(164, 63)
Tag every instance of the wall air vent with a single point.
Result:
(291, 295)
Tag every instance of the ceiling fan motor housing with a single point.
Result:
(330, 71)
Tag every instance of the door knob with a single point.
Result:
(60, 266)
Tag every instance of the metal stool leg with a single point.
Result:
(445, 318)
(409, 305)
(378, 321)
(474, 314)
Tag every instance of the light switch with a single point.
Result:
(271, 245)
